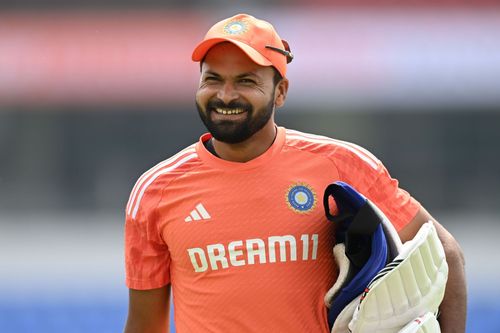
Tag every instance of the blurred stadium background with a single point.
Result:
(93, 93)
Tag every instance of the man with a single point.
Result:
(234, 225)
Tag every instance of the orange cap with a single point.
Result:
(257, 38)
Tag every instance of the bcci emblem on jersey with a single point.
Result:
(301, 198)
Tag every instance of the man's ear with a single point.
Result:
(280, 92)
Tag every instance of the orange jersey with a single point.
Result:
(246, 246)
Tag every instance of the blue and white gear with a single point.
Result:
(370, 296)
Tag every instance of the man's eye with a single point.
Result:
(247, 81)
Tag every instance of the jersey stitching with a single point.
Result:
(353, 148)
(143, 179)
(325, 156)
(157, 175)
(158, 227)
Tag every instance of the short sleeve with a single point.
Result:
(369, 176)
(147, 259)
(396, 203)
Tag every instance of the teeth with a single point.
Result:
(229, 111)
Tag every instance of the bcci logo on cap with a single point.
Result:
(301, 198)
(235, 28)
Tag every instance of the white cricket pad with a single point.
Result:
(426, 323)
(413, 284)
(341, 324)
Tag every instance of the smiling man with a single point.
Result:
(233, 224)
(236, 105)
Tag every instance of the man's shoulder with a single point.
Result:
(314, 142)
(175, 163)
(156, 178)
(327, 146)
(170, 168)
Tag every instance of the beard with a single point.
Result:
(229, 131)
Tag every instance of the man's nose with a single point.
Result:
(227, 93)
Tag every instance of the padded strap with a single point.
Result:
(345, 273)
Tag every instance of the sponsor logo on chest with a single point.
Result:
(253, 251)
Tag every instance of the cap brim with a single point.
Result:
(202, 49)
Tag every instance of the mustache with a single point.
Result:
(217, 103)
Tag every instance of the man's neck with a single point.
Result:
(249, 149)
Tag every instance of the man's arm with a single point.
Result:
(454, 306)
(148, 311)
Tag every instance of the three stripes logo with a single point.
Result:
(389, 267)
(197, 214)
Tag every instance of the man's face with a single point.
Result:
(236, 97)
